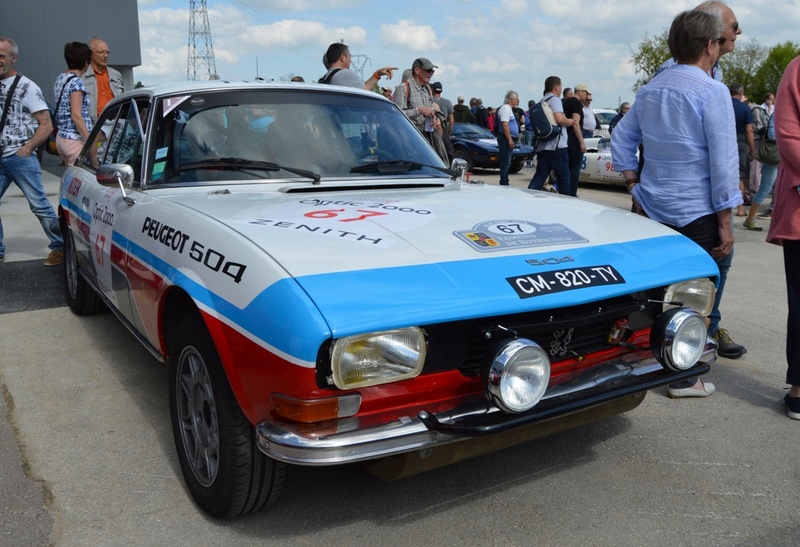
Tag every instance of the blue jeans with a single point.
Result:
(552, 160)
(769, 173)
(505, 158)
(26, 173)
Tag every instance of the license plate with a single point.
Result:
(527, 286)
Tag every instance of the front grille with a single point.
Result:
(565, 333)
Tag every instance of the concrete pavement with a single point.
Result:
(89, 406)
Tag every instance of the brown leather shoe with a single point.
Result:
(54, 258)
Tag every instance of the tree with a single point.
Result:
(650, 55)
(742, 64)
(769, 73)
(138, 85)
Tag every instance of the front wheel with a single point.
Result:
(224, 470)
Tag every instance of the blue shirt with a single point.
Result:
(742, 114)
(685, 121)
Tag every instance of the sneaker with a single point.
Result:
(750, 224)
(727, 347)
(54, 258)
(792, 406)
(766, 216)
(706, 389)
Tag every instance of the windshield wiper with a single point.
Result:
(243, 163)
(397, 166)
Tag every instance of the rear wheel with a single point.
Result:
(81, 297)
(224, 470)
(515, 167)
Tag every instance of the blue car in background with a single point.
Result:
(479, 147)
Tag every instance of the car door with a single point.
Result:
(118, 140)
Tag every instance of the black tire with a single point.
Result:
(515, 167)
(224, 470)
(464, 155)
(81, 297)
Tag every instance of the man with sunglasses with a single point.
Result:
(727, 40)
(415, 98)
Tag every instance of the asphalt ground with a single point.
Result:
(87, 457)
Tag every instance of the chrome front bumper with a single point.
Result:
(347, 440)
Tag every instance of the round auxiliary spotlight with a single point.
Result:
(678, 338)
(518, 375)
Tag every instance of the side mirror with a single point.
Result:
(113, 175)
(459, 168)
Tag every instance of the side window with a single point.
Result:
(120, 138)
(93, 153)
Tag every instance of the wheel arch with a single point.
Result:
(175, 304)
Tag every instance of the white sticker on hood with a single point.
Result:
(499, 235)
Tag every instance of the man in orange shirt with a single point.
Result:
(102, 82)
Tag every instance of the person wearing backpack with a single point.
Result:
(507, 133)
(551, 155)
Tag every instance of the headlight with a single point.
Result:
(697, 294)
(377, 358)
(678, 338)
(518, 375)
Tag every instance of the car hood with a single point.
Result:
(381, 258)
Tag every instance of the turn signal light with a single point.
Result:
(316, 410)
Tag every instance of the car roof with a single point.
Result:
(173, 88)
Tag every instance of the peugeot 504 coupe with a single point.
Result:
(325, 290)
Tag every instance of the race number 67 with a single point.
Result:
(334, 213)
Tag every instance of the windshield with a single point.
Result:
(257, 134)
(471, 131)
(605, 117)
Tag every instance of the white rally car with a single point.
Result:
(325, 290)
(598, 165)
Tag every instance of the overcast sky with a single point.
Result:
(482, 47)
